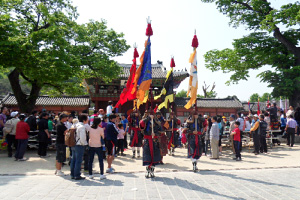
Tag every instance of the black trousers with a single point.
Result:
(22, 146)
(11, 140)
(263, 144)
(237, 149)
(86, 158)
(256, 140)
(120, 146)
(42, 150)
(125, 141)
(291, 136)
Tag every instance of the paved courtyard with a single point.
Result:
(232, 184)
(275, 175)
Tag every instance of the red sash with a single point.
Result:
(135, 139)
(171, 139)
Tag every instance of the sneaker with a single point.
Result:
(102, 177)
(79, 178)
(22, 159)
(91, 176)
(108, 170)
(59, 173)
(239, 159)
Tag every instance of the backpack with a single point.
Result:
(8, 127)
(263, 127)
(70, 137)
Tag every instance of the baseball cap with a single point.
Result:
(232, 116)
(255, 115)
(13, 114)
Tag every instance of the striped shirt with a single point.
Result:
(291, 123)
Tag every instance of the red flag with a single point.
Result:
(258, 108)
(126, 93)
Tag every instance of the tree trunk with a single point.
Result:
(26, 103)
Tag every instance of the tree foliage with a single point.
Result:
(41, 42)
(266, 45)
(210, 94)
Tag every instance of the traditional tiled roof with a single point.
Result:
(211, 103)
(157, 71)
(262, 105)
(77, 101)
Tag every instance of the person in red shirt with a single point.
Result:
(236, 141)
(22, 130)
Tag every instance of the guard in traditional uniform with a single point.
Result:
(195, 146)
(136, 137)
(162, 138)
(172, 133)
(151, 151)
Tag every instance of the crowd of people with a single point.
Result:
(105, 134)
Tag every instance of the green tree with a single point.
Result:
(265, 97)
(181, 93)
(41, 42)
(254, 97)
(266, 45)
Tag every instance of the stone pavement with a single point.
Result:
(224, 184)
(279, 157)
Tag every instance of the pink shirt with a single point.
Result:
(121, 134)
(95, 137)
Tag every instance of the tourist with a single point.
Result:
(93, 116)
(101, 114)
(231, 129)
(69, 122)
(109, 108)
(221, 129)
(96, 134)
(256, 135)
(61, 131)
(290, 111)
(50, 123)
(10, 132)
(247, 124)
(273, 113)
(297, 118)
(3, 117)
(103, 141)
(263, 127)
(44, 136)
(283, 121)
(78, 150)
(22, 131)
(236, 140)
(207, 136)
(291, 129)
(120, 138)
(111, 142)
(214, 138)
(125, 127)
(241, 127)
(31, 121)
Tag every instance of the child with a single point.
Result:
(121, 140)
(236, 141)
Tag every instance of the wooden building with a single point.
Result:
(210, 107)
(101, 92)
(54, 104)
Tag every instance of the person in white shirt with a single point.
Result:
(69, 122)
(11, 136)
(78, 150)
(109, 108)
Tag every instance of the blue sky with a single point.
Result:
(173, 24)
